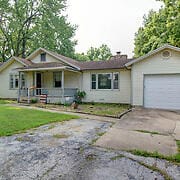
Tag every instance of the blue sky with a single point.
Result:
(113, 22)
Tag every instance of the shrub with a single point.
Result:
(79, 96)
(34, 100)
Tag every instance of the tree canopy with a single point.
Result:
(26, 25)
(95, 54)
(159, 28)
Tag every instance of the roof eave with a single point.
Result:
(42, 49)
(166, 46)
(4, 65)
(46, 68)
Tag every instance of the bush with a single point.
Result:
(34, 100)
(79, 96)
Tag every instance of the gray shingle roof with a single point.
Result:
(43, 65)
(115, 62)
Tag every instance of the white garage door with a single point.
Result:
(162, 91)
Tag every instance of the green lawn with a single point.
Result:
(15, 120)
(4, 101)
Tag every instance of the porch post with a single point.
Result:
(62, 80)
(19, 88)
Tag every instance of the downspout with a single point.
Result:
(131, 85)
(19, 86)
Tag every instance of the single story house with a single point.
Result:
(152, 81)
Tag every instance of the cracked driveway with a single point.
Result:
(65, 151)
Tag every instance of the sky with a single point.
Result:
(111, 22)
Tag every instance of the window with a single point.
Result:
(57, 79)
(93, 81)
(43, 57)
(11, 82)
(14, 81)
(23, 81)
(105, 81)
(115, 80)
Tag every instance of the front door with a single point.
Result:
(38, 83)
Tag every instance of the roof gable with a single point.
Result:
(71, 62)
(166, 46)
(20, 60)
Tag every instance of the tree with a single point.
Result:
(26, 25)
(159, 28)
(95, 54)
(81, 57)
(101, 53)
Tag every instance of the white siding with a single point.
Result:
(5, 91)
(109, 96)
(72, 80)
(152, 65)
(37, 59)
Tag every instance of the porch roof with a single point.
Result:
(46, 66)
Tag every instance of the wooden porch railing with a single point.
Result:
(50, 92)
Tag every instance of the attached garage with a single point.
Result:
(155, 79)
(162, 91)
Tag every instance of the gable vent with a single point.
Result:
(166, 54)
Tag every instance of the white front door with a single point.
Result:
(162, 91)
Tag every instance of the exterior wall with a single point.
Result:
(71, 79)
(5, 91)
(37, 59)
(155, 64)
(121, 95)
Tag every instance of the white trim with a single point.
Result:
(44, 50)
(41, 69)
(166, 46)
(7, 63)
(112, 81)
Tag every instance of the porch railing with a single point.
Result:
(50, 92)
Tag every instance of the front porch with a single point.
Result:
(55, 85)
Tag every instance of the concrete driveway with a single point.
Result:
(65, 151)
(145, 129)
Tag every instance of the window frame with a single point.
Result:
(23, 81)
(60, 73)
(43, 57)
(13, 81)
(94, 81)
(98, 80)
(112, 81)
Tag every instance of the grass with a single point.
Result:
(16, 120)
(4, 101)
(173, 158)
(117, 157)
(60, 136)
(102, 109)
(155, 168)
(149, 132)
(101, 133)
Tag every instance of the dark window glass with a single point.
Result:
(104, 81)
(43, 57)
(16, 81)
(116, 81)
(93, 81)
(57, 79)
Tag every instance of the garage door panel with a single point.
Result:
(162, 91)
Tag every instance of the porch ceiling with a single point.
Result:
(46, 66)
